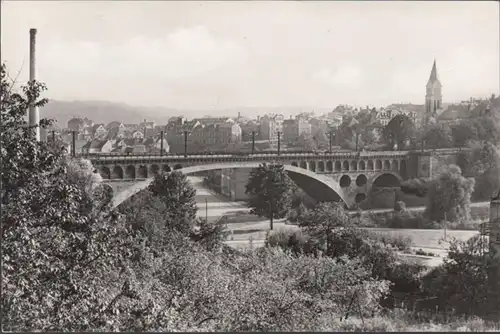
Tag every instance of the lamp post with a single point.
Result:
(357, 136)
(161, 143)
(185, 143)
(53, 136)
(253, 142)
(330, 140)
(73, 144)
(279, 142)
(271, 186)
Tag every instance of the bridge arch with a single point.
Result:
(303, 164)
(370, 165)
(166, 168)
(312, 165)
(295, 164)
(105, 173)
(395, 165)
(378, 164)
(387, 165)
(329, 166)
(117, 173)
(338, 166)
(354, 165)
(130, 172)
(321, 166)
(142, 173)
(324, 180)
(387, 179)
(345, 165)
(362, 165)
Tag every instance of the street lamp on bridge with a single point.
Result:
(73, 144)
(330, 135)
(253, 140)
(161, 143)
(279, 142)
(186, 143)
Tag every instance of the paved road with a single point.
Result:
(420, 208)
(212, 205)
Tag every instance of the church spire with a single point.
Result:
(434, 77)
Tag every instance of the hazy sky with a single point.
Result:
(226, 54)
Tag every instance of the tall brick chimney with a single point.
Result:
(33, 114)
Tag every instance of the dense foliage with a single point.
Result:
(398, 132)
(449, 196)
(269, 188)
(72, 263)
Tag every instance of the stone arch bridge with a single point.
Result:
(346, 177)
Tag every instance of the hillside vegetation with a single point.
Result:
(72, 263)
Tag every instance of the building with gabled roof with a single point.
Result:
(97, 146)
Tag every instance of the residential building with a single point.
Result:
(117, 131)
(294, 128)
(385, 115)
(97, 146)
(98, 131)
(317, 126)
(246, 130)
(155, 145)
(269, 127)
(233, 183)
(147, 125)
(138, 134)
(213, 120)
(454, 114)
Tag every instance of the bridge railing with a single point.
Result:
(343, 153)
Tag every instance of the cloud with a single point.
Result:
(183, 54)
(347, 75)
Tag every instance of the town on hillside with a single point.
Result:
(304, 132)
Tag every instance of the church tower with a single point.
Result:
(433, 96)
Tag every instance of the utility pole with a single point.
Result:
(357, 136)
(53, 136)
(73, 144)
(206, 209)
(253, 142)
(330, 135)
(161, 143)
(279, 142)
(185, 143)
(271, 213)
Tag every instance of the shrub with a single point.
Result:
(417, 187)
(400, 206)
(398, 241)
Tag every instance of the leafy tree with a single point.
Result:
(177, 193)
(467, 282)
(321, 139)
(438, 136)
(463, 132)
(306, 142)
(325, 217)
(269, 188)
(398, 131)
(59, 238)
(449, 196)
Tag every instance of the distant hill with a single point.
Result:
(106, 112)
